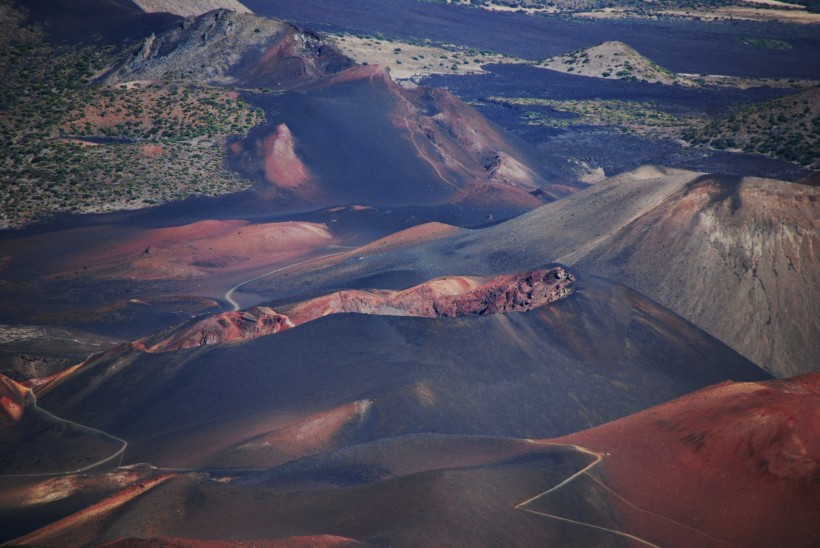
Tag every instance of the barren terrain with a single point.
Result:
(374, 272)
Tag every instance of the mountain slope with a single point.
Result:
(787, 128)
(732, 464)
(755, 445)
(612, 60)
(599, 354)
(226, 47)
(736, 256)
(188, 9)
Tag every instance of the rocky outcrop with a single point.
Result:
(217, 329)
(448, 297)
(187, 9)
(225, 47)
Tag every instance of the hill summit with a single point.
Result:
(613, 60)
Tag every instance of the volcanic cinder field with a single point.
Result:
(409, 273)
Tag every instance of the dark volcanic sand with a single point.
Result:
(681, 46)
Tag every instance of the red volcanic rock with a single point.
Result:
(507, 293)
(462, 141)
(454, 296)
(735, 463)
(220, 328)
(14, 398)
(283, 167)
(364, 72)
(297, 56)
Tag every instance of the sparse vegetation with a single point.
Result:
(787, 128)
(586, 5)
(613, 60)
(628, 116)
(69, 146)
(767, 43)
(412, 58)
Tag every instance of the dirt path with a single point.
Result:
(598, 458)
(117, 455)
(229, 294)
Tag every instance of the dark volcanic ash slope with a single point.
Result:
(737, 257)
(735, 464)
(357, 136)
(33, 441)
(597, 355)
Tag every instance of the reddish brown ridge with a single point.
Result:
(452, 296)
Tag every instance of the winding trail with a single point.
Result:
(428, 160)
(118, 454)
(598, 458)
(229, 294)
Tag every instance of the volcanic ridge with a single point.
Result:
(447, 297)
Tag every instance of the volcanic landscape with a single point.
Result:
(409, 273)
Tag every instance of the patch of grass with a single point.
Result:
(767, 43)
(628, 116)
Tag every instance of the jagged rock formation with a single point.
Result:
(220, 328)
(612, 60)
(225, 47)
(448, 297)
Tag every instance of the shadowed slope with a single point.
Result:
(33, 441)
(734, 464)
(597, 355)
(441, 490)
(737, 257)
(357, 137)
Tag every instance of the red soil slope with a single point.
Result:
(83, 526)
(732, 464)
(200, 249)
(283, 167)
(14, 398)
